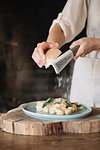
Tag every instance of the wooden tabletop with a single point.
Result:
(59, 142)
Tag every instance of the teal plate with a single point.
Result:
(30, 110)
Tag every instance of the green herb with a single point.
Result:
(57, 103)
(67, 101)
(48, 101)
(78, 105)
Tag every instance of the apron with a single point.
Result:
(85, 86)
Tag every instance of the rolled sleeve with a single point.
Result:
(72, 19)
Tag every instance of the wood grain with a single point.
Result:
(56, 142)
(15, 121)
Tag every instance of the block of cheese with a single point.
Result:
(51, 54)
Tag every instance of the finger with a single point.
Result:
(79, 55)
(41, 52)
(74, 44)
(38, 59)
(36, 53)
(80, 52)
(83, 55)
(38, 62)
(76, 56)
(45, 46)
(48, 44)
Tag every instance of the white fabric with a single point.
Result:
(72, 19)
(86, 76)
(86, 82)
(93, 24)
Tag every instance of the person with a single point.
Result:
(70, 22)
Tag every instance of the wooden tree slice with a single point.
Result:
(15, 121)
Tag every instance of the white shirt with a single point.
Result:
(73, 19)
(85, 86)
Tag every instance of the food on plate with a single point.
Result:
(59, 106)
(51, 54)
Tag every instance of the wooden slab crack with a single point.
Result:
(16, 122)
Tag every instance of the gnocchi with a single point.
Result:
(59, 106)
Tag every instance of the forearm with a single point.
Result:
(56, 35)
(97, 44)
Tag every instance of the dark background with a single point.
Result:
(22, 25)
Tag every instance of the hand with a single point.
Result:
(86, 46)
(39, 52)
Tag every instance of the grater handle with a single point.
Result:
(75, 49)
